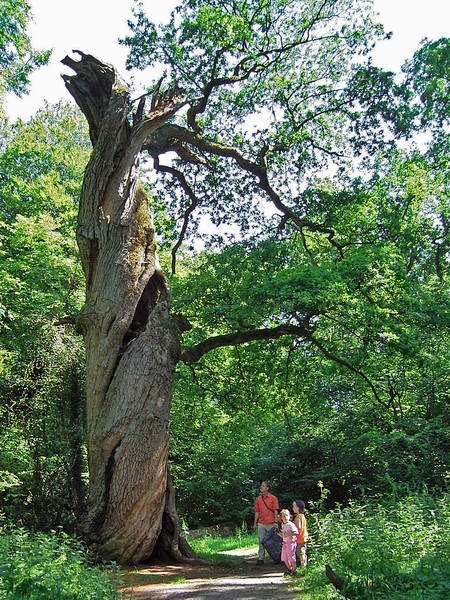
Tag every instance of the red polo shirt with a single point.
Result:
(266, 508)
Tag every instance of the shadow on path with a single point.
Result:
(246, 582)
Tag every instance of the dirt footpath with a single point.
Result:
(246, 582)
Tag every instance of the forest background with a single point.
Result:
(361, 413)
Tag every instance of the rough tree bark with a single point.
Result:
(131, 344)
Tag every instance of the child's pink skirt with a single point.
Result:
(288, 551)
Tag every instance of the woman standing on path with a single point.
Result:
(289, 534)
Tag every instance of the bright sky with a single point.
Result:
(93, 26)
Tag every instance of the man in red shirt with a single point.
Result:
(266, 516)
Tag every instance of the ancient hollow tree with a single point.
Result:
(131, 346)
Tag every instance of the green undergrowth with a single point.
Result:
(386, 550)
(51, 567)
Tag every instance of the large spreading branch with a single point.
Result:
(263, 58)
(192, 354)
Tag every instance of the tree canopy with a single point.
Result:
(290, 141)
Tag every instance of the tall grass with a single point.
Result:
(50, 567)
(386, 549)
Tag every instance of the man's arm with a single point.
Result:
(255, 522)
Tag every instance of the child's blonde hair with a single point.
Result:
(286, 512)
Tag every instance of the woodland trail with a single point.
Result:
(246, 581)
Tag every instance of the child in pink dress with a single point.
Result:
(289, 534)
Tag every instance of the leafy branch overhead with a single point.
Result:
(275, 93)
(280, 95)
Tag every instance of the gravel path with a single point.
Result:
(248, 582)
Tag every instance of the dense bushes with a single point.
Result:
(41, 362)
(44, 566)
(386, 549)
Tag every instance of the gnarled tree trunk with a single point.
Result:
(131, 345)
